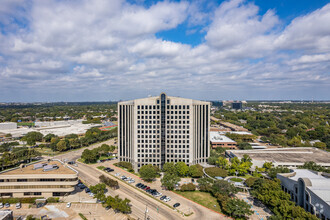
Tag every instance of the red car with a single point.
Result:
(146, 188)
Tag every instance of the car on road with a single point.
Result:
(176, 205)
(7, 205)
(167, 199)
(18, 205)
(68, 205)
(162, 198)
(1, 205)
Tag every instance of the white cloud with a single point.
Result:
(78, 46)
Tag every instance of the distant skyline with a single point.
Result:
(79, 50)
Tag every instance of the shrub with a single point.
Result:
(188, 187)
(109, 182)
(125, 164)
(82, 216)
(21, 200)
(216, 171)
(53, 199)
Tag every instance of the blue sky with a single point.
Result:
(57, 50)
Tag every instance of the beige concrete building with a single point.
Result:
(45, 179)
(162, 129)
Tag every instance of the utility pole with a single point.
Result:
(145, 213)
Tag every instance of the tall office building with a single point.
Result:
(162, 129)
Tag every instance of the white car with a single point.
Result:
(167, 199)
(131, 181)
(68, 205)
(158, 194)
(1, 205)
(117, 174)
(91, 194)
(18, 205)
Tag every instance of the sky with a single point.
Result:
(101, 50)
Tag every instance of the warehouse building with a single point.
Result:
(162, 129)
(308, 189)
(46, 179)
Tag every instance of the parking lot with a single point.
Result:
(60, 211)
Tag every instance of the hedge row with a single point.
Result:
(216, 171)
(27, 200)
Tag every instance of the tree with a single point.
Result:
(89, 156)
(169, 180)
(49, 137)
(237, 208)
(222, 162)
(61, 145)
(169, 168)
(205, 184)
(267, 165)
(320, 145)
(148, 172)
(223, 187)
(244, 146)
(98, 190)
(188, 187)
(181, 168)
(195, 171)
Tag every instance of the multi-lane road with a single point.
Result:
(140, 202)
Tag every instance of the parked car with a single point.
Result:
(87, 190)
(82, 186)
(7, 205)
(107, 208)
(147, 188)
(138, 185)
(18, 205)
(144, 187)
(131, 181)
(167, 199)
(163, 197)
(68, 205)
(192, 180)
(91, 194)
(1, 205)
(117, 174)
(176, 205)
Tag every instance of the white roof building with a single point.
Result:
(308, 189)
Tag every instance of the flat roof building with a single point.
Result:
(162, 129)
(8, 125)
(45, 179)
(308, 189)
(219, 140)
(288, 157)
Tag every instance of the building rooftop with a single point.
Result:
(30, 169)
(286, 155)
(217, 137)
(320, 185)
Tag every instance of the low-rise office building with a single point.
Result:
(219, 140)
(308, 189)
(45, 179)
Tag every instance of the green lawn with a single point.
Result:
(203, 198)
(47, 151)
(236, 180)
